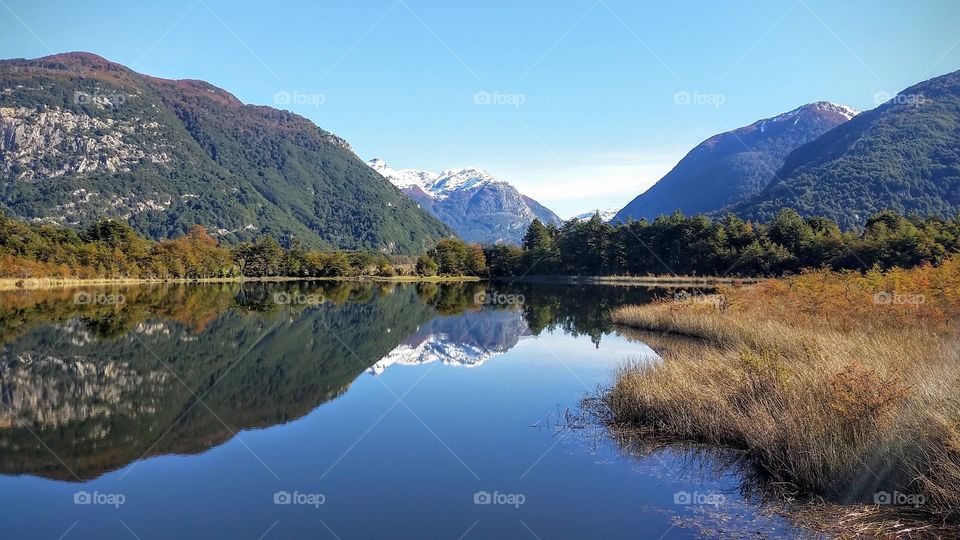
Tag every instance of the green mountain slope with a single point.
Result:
(82, 138)
(904, 155)
(732, 167)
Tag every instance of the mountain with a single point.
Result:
(466, 340)
(121, 375)
(86, 408)
(732, 167)
(904, 156)
(606, 215)
(477, 206)
(82, 138)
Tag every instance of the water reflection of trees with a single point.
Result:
(98, 383)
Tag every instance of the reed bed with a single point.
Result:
(843, 385)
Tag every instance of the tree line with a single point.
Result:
(680, 245)
(112, 249)
(674, 244)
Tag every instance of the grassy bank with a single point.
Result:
(11, 284)
(835, 384)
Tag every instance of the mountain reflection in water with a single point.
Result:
(179, 369)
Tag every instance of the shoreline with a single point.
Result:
(659, 281)
(27, 284)
(32, 284)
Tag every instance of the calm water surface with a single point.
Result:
(336, 410)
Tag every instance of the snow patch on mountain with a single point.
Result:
(822, 106)
(605, 214)
(453, 180)
(471, 201)
(438, 186)
(434, 349)
(403, 178)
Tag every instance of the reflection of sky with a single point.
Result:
(407, 467)
(401, 453)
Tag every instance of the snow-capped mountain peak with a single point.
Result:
(466, 340)
(434, 349)
(605, 214)
(437, 185)
(845, 111)
(452, 180)
(819, 108)
(823, 106)
(403, 178)
(475, 204)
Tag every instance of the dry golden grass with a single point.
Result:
(826, 385)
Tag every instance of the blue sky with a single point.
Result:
(571, 101)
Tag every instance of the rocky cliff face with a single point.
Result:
(39, 145)
(52, 390)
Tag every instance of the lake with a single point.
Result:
(336, 410)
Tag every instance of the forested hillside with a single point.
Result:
(84, 139)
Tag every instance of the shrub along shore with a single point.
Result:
(836, 384)
(113, 250)
(9, 284)
(683, 248)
